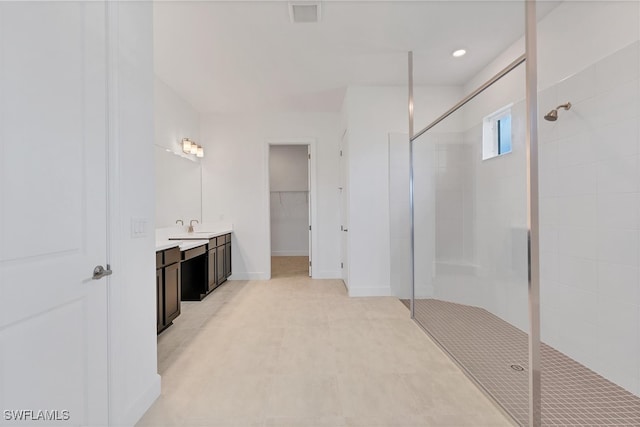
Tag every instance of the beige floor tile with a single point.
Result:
(293, 351)
(407, 420)
(232, 397)
(451, 398)
(305, 422)
(237, 360)
(376, 395)
(303, 396)
(309, 360)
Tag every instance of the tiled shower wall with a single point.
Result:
(481, 257)
(590, 218)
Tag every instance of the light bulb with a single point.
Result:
(186, 145)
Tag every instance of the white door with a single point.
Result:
(344, 207)
(309, 204)
(53, 316)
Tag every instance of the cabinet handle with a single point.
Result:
(99, 272)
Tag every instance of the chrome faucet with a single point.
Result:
(190, 230)
(180, 221)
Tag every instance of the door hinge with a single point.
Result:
(341, 265)
(309, 155)
(309, 263)
(340, 153)
(309, 228)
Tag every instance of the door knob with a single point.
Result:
(99, 272)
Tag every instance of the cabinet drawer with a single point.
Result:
(192, 253)
(227, 238)
(220, 240)
(159, 259)
(171, 256)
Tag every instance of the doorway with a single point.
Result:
(344, 207)
(290, 202)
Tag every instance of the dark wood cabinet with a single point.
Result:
(171, 292)
(227, 256)
(168, 287)
(159, 298)
(220, 264)
(212, 263)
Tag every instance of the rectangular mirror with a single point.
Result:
(178, 188)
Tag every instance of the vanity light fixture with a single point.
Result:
(190, 147)
(186, 145)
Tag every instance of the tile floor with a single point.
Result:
(487, 346)
(289, 266)
(293, 351)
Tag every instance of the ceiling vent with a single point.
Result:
(304, 12)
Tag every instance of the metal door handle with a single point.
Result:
(345, 230)
(99, 272)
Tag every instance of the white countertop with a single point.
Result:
(170, 237)
(184, 245)
(199, 235)
(161, 245)
(190, 244)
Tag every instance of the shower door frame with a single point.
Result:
(530, 58)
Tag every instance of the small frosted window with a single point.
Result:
(496, 133)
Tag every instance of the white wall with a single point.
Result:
(175, 118)
(178, 175)
(562, 52)
(133, 355)
(371, 113)
(288, 168)
(288, 180)
(235, 184)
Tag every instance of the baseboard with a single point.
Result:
(249, 276)
(327, 275)
(145, 401)
(290, 253)
(383, 291)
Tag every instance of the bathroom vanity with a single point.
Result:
(189, 266)
(206, 261)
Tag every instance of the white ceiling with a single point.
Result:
(233, 56)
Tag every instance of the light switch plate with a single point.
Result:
(139, 227)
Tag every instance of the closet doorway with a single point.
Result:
(290, 203)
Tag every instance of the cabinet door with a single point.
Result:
(227, 259)
(220, 264)
(171, 292)
(159, 299)
(212, 262)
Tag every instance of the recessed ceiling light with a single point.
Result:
(458, 53)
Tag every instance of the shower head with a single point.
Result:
(552, 115)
